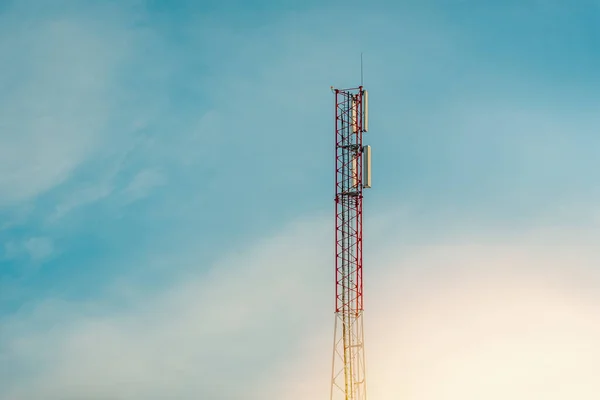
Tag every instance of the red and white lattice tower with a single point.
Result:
(352, 175)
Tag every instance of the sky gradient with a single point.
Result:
(166, 198)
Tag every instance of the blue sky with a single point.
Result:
(169, 163)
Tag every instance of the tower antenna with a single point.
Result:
(361, 69)
(352, 176)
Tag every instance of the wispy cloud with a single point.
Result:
(35, 248)
(143, 183)
(79, 197)
(51, 120)
(222, 123)
(63, 93)
(192, 339)
(262, 318)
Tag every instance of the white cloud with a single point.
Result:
(39, 248)
(79, 197)
(445, 320)
(57, 79)
(196, 338)
(36, 248)
(143, 183)
(467, 320)
(260, 322)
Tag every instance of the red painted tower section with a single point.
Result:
(352, 175)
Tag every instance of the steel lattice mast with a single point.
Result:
(353, 174)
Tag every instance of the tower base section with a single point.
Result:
(348, 372)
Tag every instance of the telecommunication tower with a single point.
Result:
(352, 175)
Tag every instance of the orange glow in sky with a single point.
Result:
(495, 338)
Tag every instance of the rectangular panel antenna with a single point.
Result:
(354, 173)
(365, 111)
(367, 167)
(354, 115)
